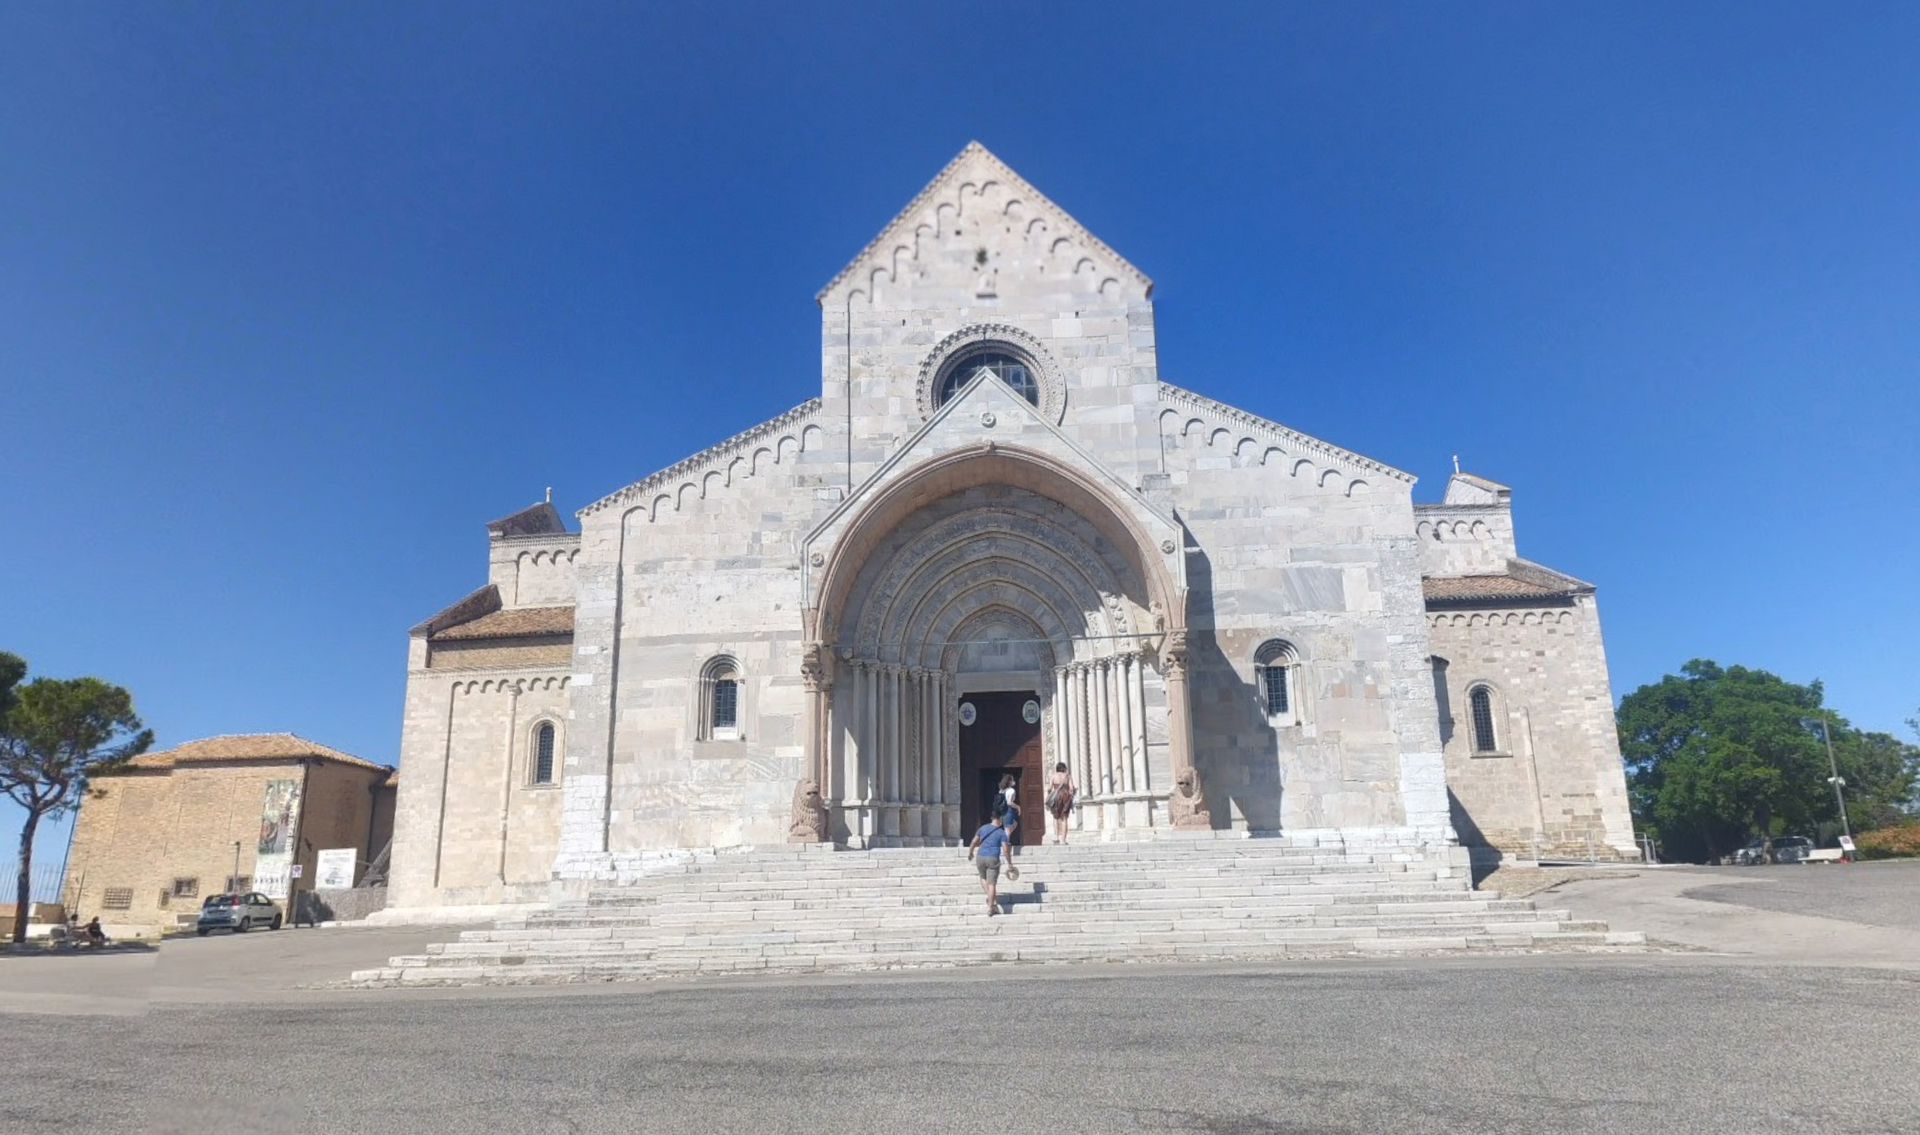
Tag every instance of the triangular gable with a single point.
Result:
(987, 411)
(971, 169)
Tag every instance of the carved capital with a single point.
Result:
(1173, 653)
(816, 667)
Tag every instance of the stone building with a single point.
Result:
(232, 813)
(997, 541)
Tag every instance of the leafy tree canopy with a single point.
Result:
(1717, 754)
(12, 669)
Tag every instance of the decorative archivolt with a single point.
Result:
(515, 685)
(1192, 419)
(1453, 530)
(747, 454)
(978, 627)
(1499, 618)
(985, 557)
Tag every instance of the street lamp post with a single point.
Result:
(236, 863)
(1839, 799)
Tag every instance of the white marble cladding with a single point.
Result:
(1465, 539)
(1289, 548)
(1128, 550)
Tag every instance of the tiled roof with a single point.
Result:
(520, 622)
(1523, 580)
(535, 520)
(248, 746)
(1485, 587)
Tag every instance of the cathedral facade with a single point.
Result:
(997, 543)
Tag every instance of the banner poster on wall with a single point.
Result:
(273, 855)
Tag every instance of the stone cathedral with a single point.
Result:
(994, 543)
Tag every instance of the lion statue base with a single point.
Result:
(1187, 805)
(809, 814)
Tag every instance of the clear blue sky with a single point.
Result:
(294, 298)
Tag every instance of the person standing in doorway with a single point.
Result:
(1060, 793)
(985, 851)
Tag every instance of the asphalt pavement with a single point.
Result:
(1812, 1033)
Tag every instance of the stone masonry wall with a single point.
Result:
(470, 826)
(1306, 547)
(146, 829)
(1555, 784)
(533, 571)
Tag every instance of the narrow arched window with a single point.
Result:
(543, 737)
(1484, 738)
(720, 700)
(1273, 666)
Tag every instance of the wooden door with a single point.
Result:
(1001, 741)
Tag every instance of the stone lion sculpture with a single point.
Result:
(809, 814)
(1187, 804)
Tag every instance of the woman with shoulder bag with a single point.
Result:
(1060, 795)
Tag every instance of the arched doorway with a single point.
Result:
(997, 593)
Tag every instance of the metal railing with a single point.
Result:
(43, 879)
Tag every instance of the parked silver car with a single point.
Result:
(238, 913)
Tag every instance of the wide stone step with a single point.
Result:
(1010, 949)
(782, 910)
(1105, 934)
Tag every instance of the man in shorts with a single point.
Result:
(989, 844)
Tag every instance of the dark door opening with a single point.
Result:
(1001, 741)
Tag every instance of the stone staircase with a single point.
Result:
(797, 909)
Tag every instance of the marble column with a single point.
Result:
(1123, 696)
(1137, 690)
(894, 785)
(873, 785)
(1103, 728)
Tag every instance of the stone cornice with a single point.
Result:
(945, 179)
(1182, 397)
(728, 448)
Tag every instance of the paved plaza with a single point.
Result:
(1790, 1020)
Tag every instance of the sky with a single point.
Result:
(295, 298)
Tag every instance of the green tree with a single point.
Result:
(1716, 754)
(55, 734)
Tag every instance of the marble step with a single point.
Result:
(604, 939)
(533, 971)
(829, 911)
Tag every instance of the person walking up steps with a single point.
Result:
(985, 851)
(1060, 802)
(1008, 813)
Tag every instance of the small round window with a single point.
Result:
(1016, 372)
